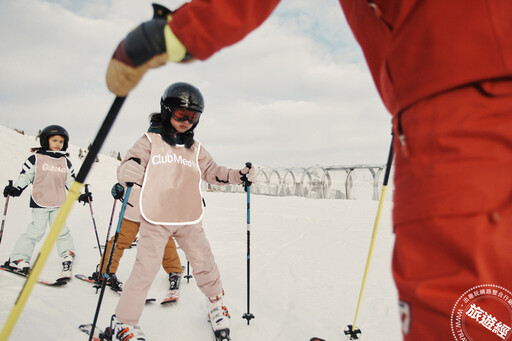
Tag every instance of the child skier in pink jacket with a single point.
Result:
(171, 167)
(50, 174)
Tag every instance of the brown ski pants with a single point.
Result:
(127, 234)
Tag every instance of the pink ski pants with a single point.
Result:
(150, 250)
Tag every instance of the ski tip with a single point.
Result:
(84, 278)
(222, 335)
(57, 283)
(85, 327)
(98, 335)
(64, 279)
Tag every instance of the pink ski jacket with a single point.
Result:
(171, 189)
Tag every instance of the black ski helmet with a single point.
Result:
(180, 95)
(51, 131)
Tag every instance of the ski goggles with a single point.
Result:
(182, 115)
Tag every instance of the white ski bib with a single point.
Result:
(171, 191)
(49, 187)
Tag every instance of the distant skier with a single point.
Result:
(51, 173)
(127, 235)
(172, 164)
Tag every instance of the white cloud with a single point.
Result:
(296, 91)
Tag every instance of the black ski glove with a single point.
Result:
(12, 191)
(85, 197)
(117, 191)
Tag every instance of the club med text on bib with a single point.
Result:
(49, 187)
(171, 191)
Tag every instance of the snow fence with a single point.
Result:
(317, 182)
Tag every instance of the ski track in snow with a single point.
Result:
(307, 263)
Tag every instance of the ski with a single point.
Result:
(222, 335)
(98, 335)
(172, 296)
(64, 278)
(174, 289)
(95, 284)
(88, 279)
(55, 283)
(85, 278)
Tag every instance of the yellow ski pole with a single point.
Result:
(351, 331)
(56, 227)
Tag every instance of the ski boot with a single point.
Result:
(112, 280)
(124, 332)
(174, 288)
(174, 280)
(67, 264)
(114, 283)
(218, 316)
(20, 265)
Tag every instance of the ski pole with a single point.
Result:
(188, 276)
(5, 213)
(111, 256)
(53, 234)
(351, 330)
(106, 241)
(93, 220)
(247, 184)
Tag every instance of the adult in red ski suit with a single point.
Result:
(444, 71)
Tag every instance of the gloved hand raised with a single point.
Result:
(130, 172)
(149, 45)
(248, 174)
(12, 191)
(117, 191)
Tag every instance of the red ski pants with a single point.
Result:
(436, 260)
(453, 212)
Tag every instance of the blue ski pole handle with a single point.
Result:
(123, 208)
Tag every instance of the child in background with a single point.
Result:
(171, 167)
(50, 172)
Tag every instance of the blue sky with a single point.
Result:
(295, 92)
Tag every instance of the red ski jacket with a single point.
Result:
(414, 48)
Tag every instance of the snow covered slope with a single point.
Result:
(307, 263)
